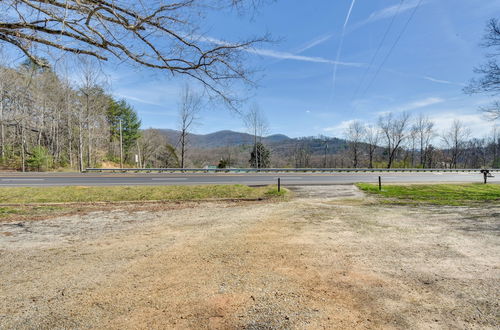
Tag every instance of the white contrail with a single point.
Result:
(349, 13)
(339, 50)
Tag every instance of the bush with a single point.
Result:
(39, 159)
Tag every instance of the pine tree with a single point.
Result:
(130, 124)
(260, 156)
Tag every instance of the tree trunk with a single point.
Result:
(89, 146)
(89, 135)
(70, 142)
(2, 131)
(370, 152)
(183, 147)
(355, 161)
(23, 151)
(80, 146)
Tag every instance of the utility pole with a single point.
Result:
(121, 145)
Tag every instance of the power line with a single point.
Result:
(393, 46)
(378, 49)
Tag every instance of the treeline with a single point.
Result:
(403, 141)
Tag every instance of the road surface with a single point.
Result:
(108, 179)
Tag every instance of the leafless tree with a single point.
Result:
(148, 146)
(455, 139)
(395, 131)
(495, 147)
(189, 108)
(42, 116)
(92, 112)
(424, 129)
(158, 34)
(476, 153)
(354, 135)
(256, 124)
(489, 81)
(371, 138)
(302, 154)
(155, 150)
(3, 89)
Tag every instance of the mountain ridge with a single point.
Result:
(280, 144)
(223, 138)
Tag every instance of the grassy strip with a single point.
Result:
(27, 195)
(438, 194)
(10, 211)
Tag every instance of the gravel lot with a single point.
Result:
(329, 258)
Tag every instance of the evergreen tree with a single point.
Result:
(121, 111)
(39, 159)
(260, 156)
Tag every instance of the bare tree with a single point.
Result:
(489, 82)
(354, 135)
(155, 151)
(494, 149)
(256, 123)
(476, 153)
(424, 129)
(92, 111)
(189, 108)
(302, 154)
(371, 138)
(162, 35)
(3, 90)
(455, 140)
(395, 131)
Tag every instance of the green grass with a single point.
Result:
(37, 195)
(8, 211)
(438, 194)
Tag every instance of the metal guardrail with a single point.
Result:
(278, 170)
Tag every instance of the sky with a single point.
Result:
(338, 61)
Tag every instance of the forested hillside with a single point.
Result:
(46, 122)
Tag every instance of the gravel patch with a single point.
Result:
(325, 259)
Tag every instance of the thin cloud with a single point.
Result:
(339, 130)
(136, 99)
(478, 126)
(441, 81)
(418, 104)
(280, 54)
(387, 12)
(315, 42)
(428, 78)
(291, 56)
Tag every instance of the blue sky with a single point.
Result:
(302, 90)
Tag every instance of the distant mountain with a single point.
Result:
(209, 149)
(221, 139)
(278, 143)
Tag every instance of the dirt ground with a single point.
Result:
(328, 258)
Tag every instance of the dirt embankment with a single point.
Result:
(325, 259)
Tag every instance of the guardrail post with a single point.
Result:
(379, 183)
(279, 184)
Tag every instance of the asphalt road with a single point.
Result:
(107, 179)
